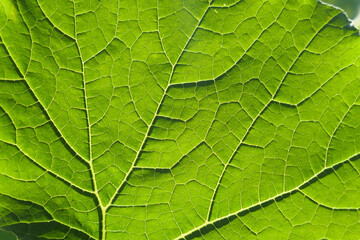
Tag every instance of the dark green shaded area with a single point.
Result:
(7, 235)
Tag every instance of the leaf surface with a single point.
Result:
(154, 119)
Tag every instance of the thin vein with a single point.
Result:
(327, 206)
(51, 22)
(71, 184)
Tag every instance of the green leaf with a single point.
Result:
(155, 119)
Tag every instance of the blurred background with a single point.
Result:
(351, 7)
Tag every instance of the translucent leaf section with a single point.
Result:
(178, 119)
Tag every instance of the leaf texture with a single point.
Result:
(154, 119)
